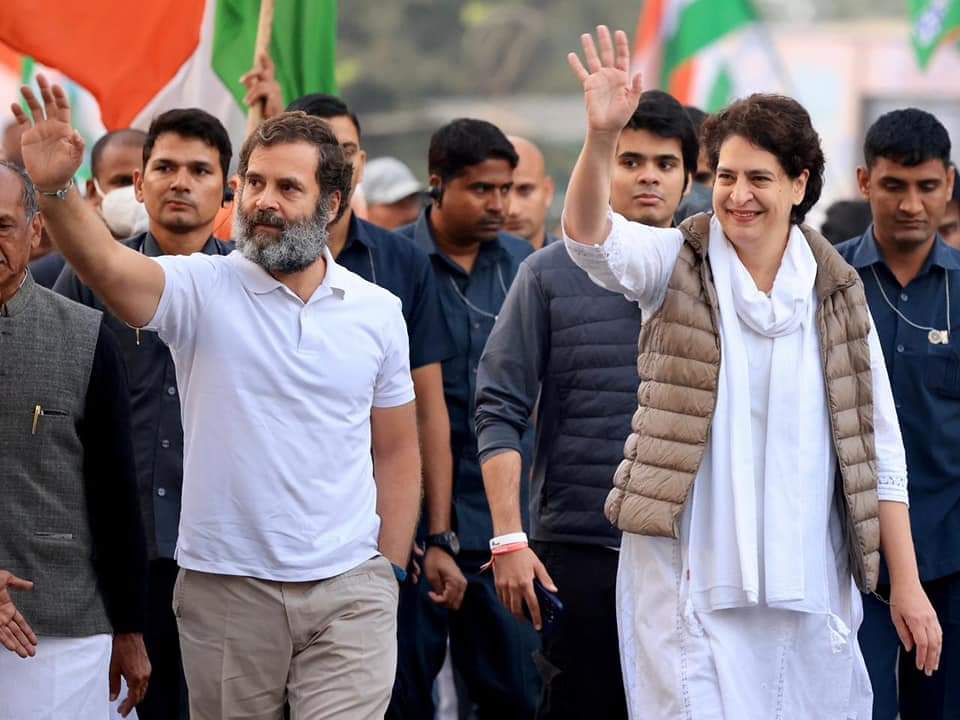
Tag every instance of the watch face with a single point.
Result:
(447, 540)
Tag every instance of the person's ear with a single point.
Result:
(92, 196)
(36, 231)
(688, 185)
(335, 199)
(800, 186)
(138, 185)
(549, 189)
(951, 180)
(863, 182)
(360, 160)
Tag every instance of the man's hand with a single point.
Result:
(916, 623)
(445, 578)
(129, 659)
(262, 86)
(610, 94)
(16, 634)
(514, 573)
(52, 149)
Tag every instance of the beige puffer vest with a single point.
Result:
(679, 366)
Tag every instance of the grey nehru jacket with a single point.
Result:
(47, 345)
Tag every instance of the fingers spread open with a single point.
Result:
(574, 61)
(622, 50)
(590, 53)
(30, 97)
(606, 45)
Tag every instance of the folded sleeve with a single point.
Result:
(635, 260)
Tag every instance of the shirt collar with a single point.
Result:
(868, 253)
(423, 236)
(260, 282)
(148, 246)
(357, 232)
(21, 298)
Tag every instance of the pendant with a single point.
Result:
(938, 337)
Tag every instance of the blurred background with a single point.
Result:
(408, 66)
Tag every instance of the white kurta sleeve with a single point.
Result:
(635, 260)
(891, 457)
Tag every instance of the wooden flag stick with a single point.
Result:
(262, 46)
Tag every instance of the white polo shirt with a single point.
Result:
(276, 398)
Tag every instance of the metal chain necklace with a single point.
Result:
(466, 301)
(934, 336)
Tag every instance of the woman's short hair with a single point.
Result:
(781, 126)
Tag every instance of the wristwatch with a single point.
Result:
(58, 194)
(447, 541)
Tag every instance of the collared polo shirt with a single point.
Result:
(277, 395)
(925, 378)
(470, 303)
(394, 263)
(154, 403)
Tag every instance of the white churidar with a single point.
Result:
(752, 613)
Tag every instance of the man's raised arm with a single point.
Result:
(130, 283)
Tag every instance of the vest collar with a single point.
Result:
(18, 303)
(833, 273)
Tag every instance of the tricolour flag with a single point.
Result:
(141, 58)
(672, 33)
(933, 23)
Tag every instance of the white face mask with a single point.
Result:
(123, 213)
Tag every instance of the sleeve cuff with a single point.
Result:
(893, 488)
(495, 439)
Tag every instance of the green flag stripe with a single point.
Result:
(932, 22)
(303, 45)
(700, 24)
(721, 91)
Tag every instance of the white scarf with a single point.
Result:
(725, 547)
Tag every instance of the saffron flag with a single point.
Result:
(139, 59)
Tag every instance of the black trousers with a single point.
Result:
(491, 650)
(166, 697)
(581, 659)
(919, 697)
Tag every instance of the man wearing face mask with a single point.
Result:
(185, 158)
(113, 160)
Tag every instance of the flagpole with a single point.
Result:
(262, 45)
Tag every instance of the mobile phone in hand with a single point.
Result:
(551, 608)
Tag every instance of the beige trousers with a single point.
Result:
(328, 647)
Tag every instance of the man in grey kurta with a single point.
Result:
(71, 523)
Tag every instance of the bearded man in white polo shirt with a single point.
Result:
(291, 369)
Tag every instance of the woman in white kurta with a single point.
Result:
(752, 612)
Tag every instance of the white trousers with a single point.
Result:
(68, 679)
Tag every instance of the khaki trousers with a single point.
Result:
(328, 647)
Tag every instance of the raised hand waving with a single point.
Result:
(611, 96)
(52, 149)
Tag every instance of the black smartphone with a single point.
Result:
(551, 608)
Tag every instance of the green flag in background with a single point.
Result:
(303, 44)
(932, 23)
(697, 24)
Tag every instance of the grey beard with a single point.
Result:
(296, 248)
